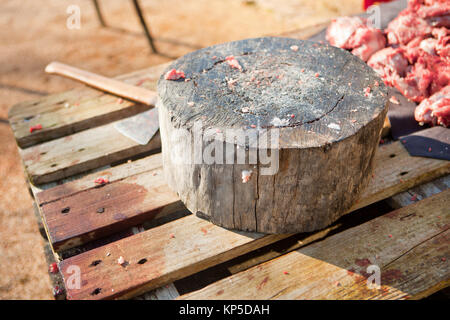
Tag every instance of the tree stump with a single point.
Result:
(272, 135)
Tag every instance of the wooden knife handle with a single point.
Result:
(113, 86)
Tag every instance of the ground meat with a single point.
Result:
(353, 33)
(366, 41)
(429, 8)
(406, 27)
(435, 109)
(341, 29)
(174, 75)
(443, 42)
(417, 62)
(390, 63)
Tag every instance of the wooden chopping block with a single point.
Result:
(272, 135)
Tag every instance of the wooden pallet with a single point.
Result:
(137, 217)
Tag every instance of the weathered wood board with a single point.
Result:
(397, 243)
(82, 151)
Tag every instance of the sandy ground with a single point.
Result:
(34, 33)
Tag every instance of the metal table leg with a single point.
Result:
(144, 25)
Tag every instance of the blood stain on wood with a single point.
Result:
(263, 283)
(363, 262)
(390, 276)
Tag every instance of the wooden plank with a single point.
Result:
(195, 245)
(80, 152)
(409, 245)
(67, 189)
(420, 192)
(97, 212)
(396, 171)
(168, 264)
(76, 110)
(158, 202)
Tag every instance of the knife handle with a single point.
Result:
(113, 86)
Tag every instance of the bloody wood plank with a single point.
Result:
(149, 163)
(80, 152)
(409, 245)
(195, 245)
(98, 212)
(83, 223)
(166, 264)
(76, 110)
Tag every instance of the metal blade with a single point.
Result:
(141, 127)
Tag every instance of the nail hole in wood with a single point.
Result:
(65, 210)
(142, 261)
(96, 291)
(80, 150)
(392, 155)
(43, 153)
(403, 173)
(54, 165)
(95, 263)
(100, 210)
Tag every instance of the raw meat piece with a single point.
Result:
(390, 63)
(435, 109)
(443, 44)
(341, 29)
(429, 8)
(427, 76)
(366, 41)
(406, 27)
(415, 84)
(233, 63)
(174, 75)
(418, 46)
(353, 33)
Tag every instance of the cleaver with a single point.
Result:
(140, 127)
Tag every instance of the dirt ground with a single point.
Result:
(35, 33)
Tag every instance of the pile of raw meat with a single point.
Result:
(412, 54)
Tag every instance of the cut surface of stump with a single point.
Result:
(272, 135)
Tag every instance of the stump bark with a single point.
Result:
(272, 135)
